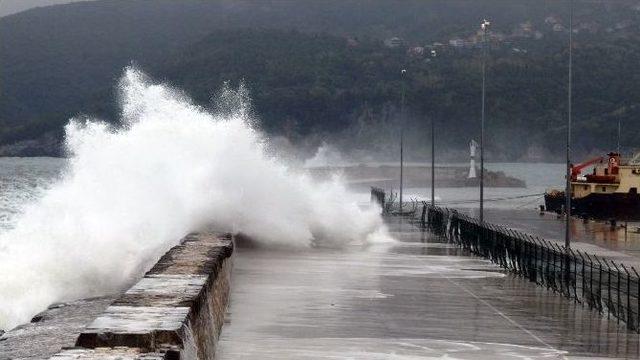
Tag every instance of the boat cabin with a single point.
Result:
(608, 177)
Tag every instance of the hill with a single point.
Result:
(321, 70)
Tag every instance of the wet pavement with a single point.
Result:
(412, 299)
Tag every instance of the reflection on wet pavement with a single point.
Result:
(413, 299)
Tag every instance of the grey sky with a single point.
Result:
(8, 7)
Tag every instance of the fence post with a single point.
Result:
(574, 280)
(638, 298)
(600, 307)
(546, 266)
(561, 274)
(617, 291)
(591, 294)
(629, 315)
(584, 282)
(609, 302)
(533, 263)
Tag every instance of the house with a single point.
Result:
(394, 42)
(416, 51)
(551, 20)
(457, 43)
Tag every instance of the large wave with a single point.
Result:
(129, 194)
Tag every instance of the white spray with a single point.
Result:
(128, 195)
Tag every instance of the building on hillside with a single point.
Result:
(551, 20)
(524, 30)
(394, 42)
(416, 51)
(456, 43)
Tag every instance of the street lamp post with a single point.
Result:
(567, 191)
(433, 163)
(403, 73)
(433, 154)
(485, 27)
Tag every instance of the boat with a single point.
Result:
(610, 192)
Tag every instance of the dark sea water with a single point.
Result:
(22, 180)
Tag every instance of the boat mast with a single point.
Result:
(567, 193)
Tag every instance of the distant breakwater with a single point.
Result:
(386, 176)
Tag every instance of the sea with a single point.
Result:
(24, 180)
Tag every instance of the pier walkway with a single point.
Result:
(410, 299)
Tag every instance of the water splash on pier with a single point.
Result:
(129, 194)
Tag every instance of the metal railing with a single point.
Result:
(608, 287)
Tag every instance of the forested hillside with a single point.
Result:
(330, 70)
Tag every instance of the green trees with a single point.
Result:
(333, 77)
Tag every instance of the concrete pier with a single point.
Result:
(178, 306)
(415, 298)
(174, 312)
(51, 330)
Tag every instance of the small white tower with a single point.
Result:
(473, 145)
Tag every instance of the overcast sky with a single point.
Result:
(8, 7)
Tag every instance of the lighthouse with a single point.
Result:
(473, 145)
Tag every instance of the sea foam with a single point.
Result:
(130, 193)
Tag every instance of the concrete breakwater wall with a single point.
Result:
(176, 311)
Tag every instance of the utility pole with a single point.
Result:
(567, 191)
(485, 27)
(403, 73)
